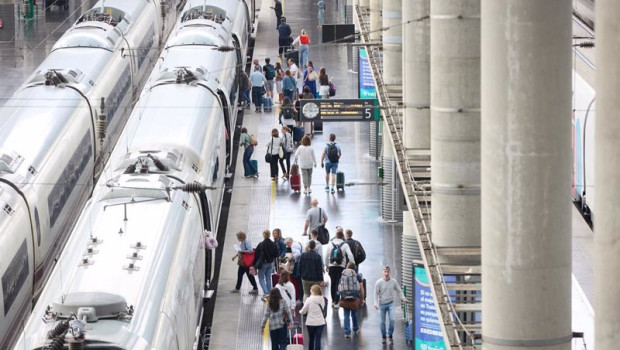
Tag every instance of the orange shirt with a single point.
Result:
(304, 40)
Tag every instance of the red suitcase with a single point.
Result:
(295, 180)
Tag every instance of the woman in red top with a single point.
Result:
(304, 42)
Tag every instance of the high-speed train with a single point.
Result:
(584, 123)
(135, 269)
(53, 138)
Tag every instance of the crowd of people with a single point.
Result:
(296, 276)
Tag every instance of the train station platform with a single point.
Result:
(259, 204)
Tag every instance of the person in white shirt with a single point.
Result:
(315, 322)
(336, 267)
(295, 73)
(306, 160)
(287, 290)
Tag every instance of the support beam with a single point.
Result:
(375, 20)
(526, 166)
(455, 124)
(607, 200)
(392, 43)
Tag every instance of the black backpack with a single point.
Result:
(336, 256)
(271, 251)
(287, 112)
(332, 153)
(358, 252)
(270, 71)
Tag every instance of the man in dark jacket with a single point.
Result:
(356, 247)
(277, 7)
(284, 36)
(266, 252)
(310, 268)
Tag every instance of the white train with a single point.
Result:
(53, 138)
(135, 271)
(584, 124)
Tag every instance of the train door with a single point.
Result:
(228, 124)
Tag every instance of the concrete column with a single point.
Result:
(391, 193)
(364, 3)
(455, 123)
(607, 160)
(526, 167)
(416, 75)
(392, 42)
(375, 20)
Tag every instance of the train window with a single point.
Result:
(216, 168)
(211, 13)
(37, 224)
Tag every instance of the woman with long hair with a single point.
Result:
(315, 321)
(287, 146)
(279, 316)
(310, 78)
(324, 83)
(304, 156)
(273, 148)
(278, 79)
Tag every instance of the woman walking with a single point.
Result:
(245, 247)
(315, 322)
(246, 141)
(310, 78)
(304, 156)
(279, 316)
(324, 83)
(289, 85)
(304, 41)
(279, 77)
(273, 147)
(287, 289)
(321, 14)
(287, 146)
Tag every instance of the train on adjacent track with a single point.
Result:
(136, 269)
(56, 132)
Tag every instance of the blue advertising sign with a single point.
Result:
(428, 334)
(367, 87)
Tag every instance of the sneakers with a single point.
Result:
(333, 190)
(263, 298)
(234, 290)
(255, 291)
(326, 188)
(309, 190)
(257, 110)
(390, 339)
(347, 336)
(335, 305)
(357, 332)
(383, 340)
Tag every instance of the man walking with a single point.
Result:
(266, 253)
(258, 82)
(386, 289)
(284, 36)
(277, 7)
(359, 254)
(310, 269)
(270, 73)
(329, 159)
(315, 217)
(337, 259)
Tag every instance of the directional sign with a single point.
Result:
(350, 110)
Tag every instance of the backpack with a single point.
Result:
(270, 71)
(287, 112)
(359, 254)
(253, 140)
(332, 152)
(271, 251)
(349, 286)
(336, 256)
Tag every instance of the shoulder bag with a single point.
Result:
(268, 154)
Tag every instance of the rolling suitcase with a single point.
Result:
(340, 181)
(295, 180)
(267, 104)
(255, 166)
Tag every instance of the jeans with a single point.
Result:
(240, 272)
(314, 335)
(347, 323)
(248, 167)
(335, 272)
(303, 55)
(257, 96)
(264, 277)
(246, 96)
(389, 310)
(278, 338)
(287, 158)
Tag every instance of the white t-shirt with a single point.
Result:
(294, 71)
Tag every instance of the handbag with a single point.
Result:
(268, 154)
(281, 152)
(248, 258)
(354, 304)
(332, 89)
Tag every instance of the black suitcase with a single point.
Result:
(340, 181)
(293, 54)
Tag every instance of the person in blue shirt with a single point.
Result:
(329, 160)
(321, 14)
(258, 80)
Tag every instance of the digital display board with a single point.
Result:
(340, 110)
(426, 327)
(366, 84)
